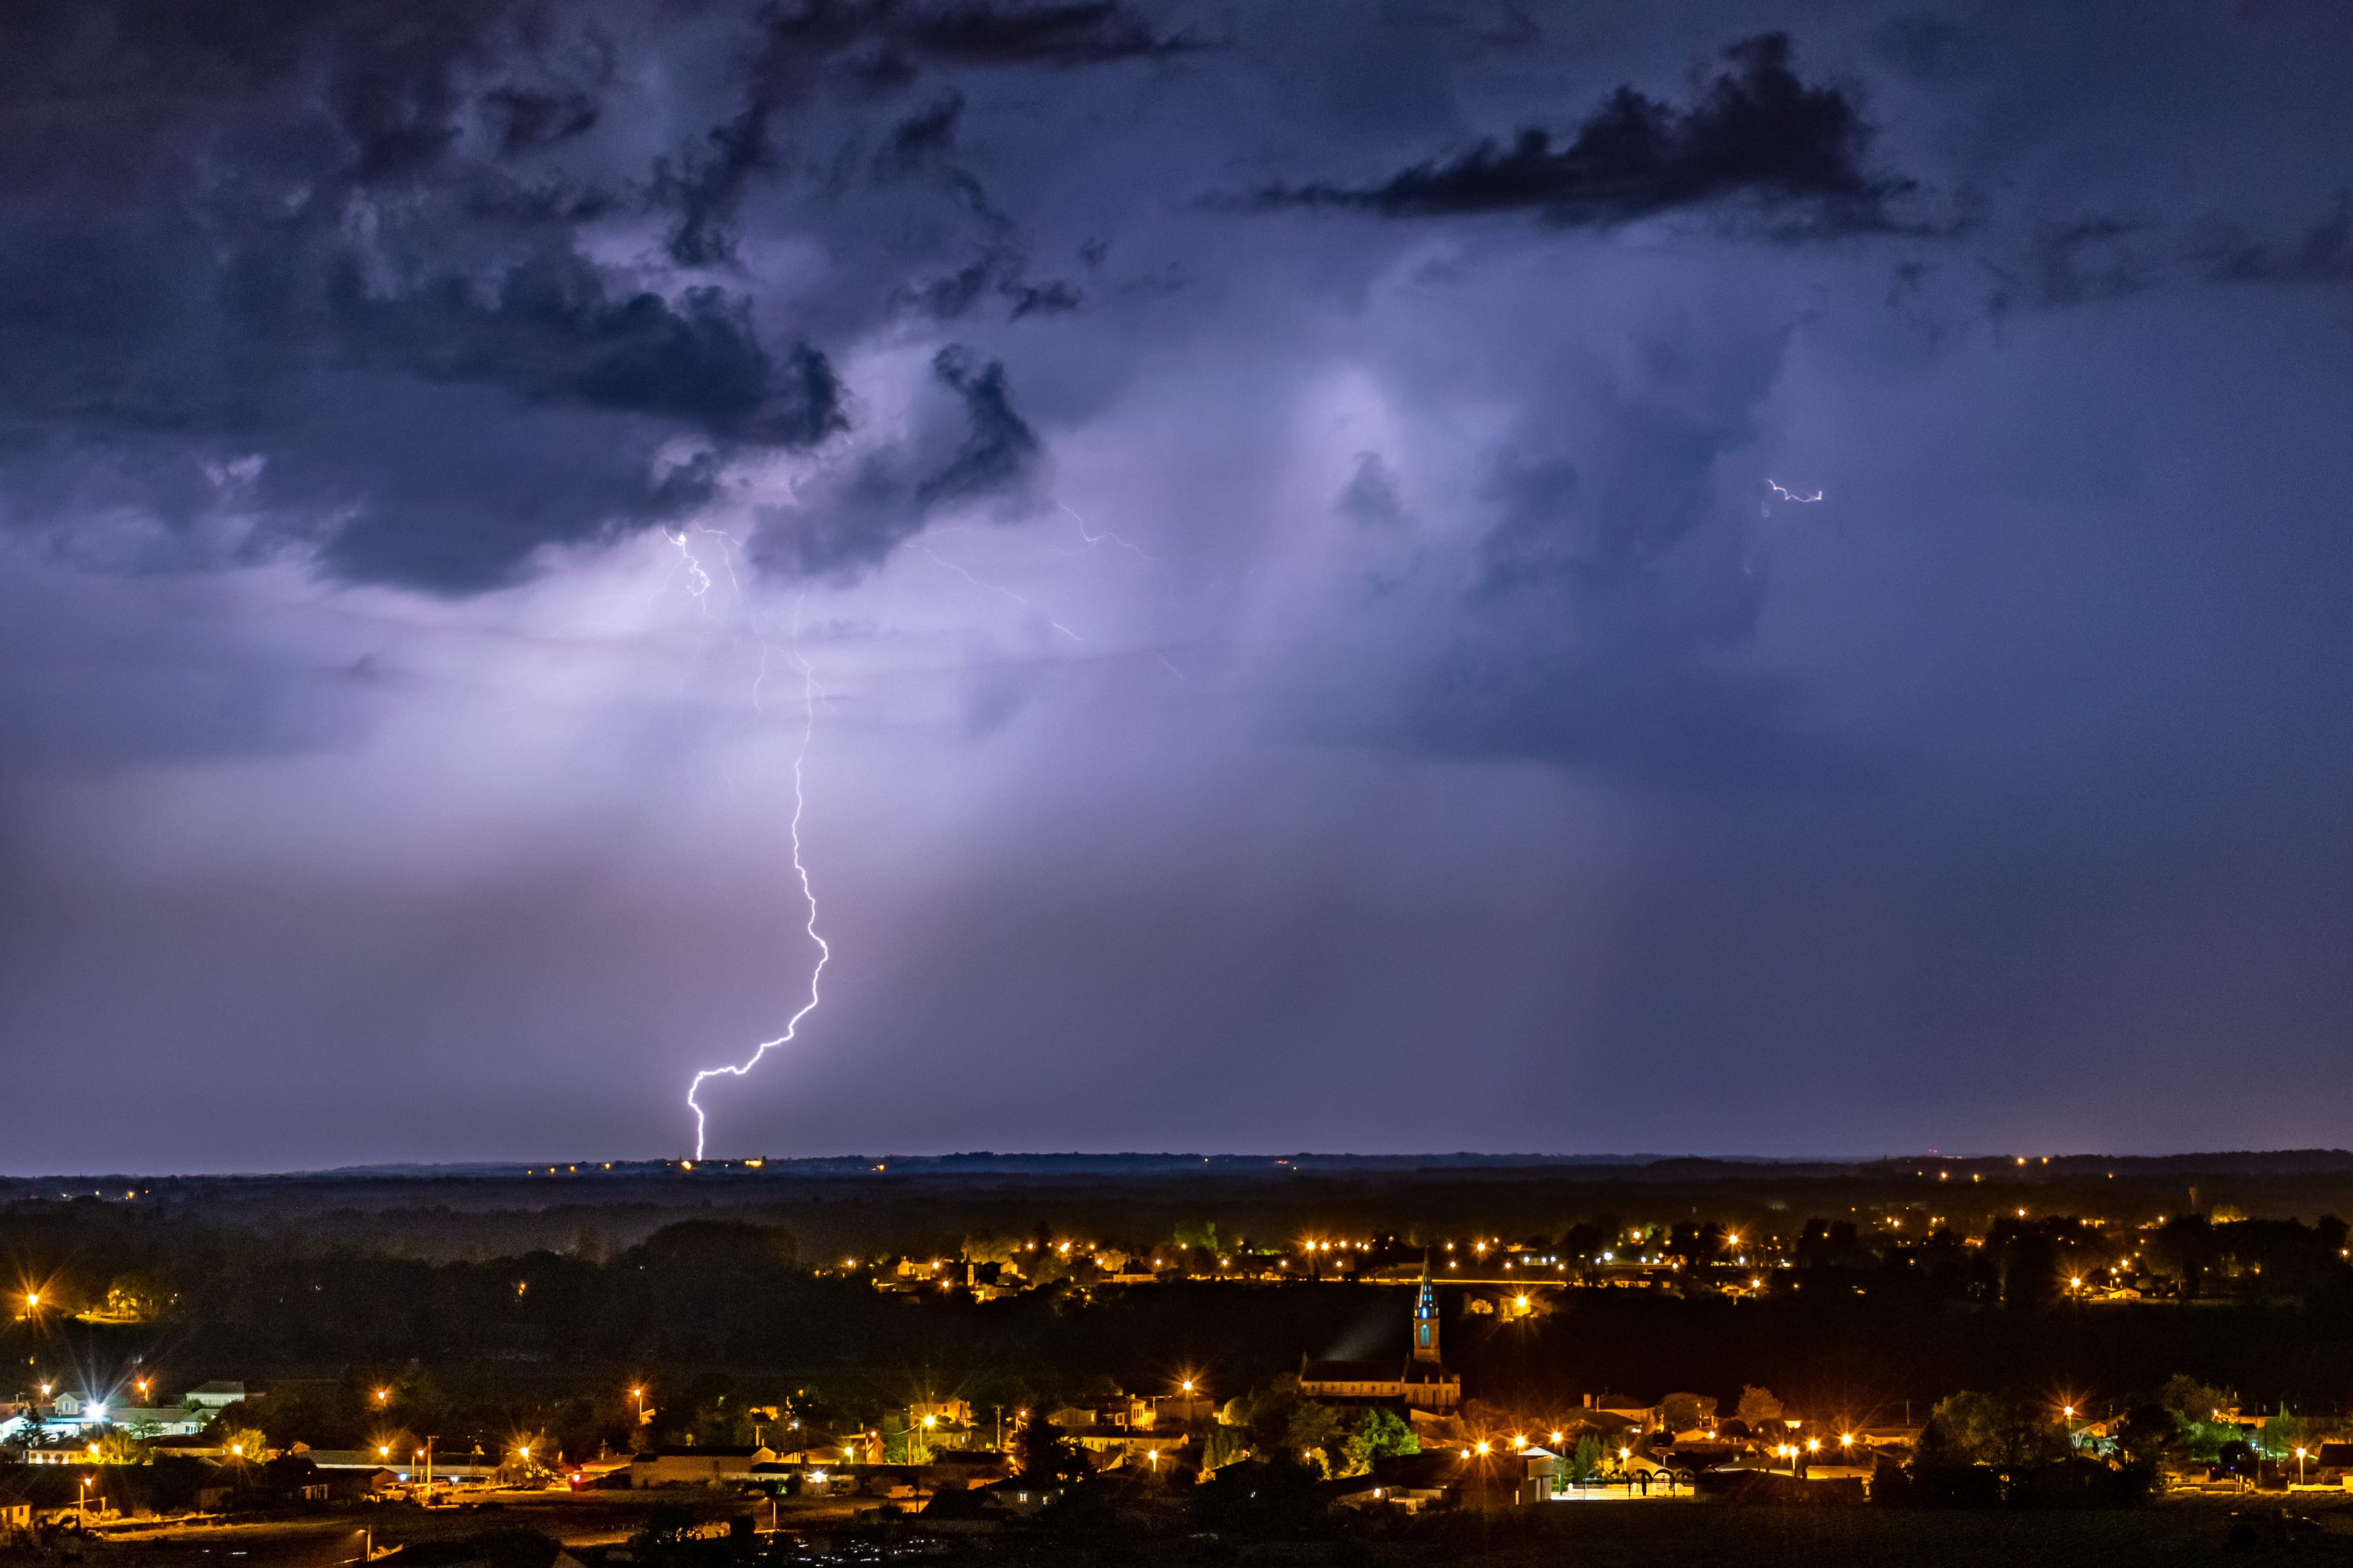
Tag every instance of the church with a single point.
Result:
(1420, 1382)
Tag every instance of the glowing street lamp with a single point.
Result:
(2299, 1467)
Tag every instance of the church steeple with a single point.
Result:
(1425, 1316)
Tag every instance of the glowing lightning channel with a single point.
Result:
(1105, 537)
(811, 695)
(995, 588)
(698, 581)
(1788, 495)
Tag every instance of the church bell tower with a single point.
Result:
(1425, 1316)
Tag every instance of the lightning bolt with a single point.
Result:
(698, 581)
(1105, 537)
(1787, 495)
(812, 694)
(995, 588)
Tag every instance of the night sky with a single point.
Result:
(1293, 511)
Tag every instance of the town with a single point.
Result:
(1961, 1335)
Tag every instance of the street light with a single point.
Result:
(2299, 1467)
(639, 1394)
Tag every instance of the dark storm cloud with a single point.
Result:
(875, 49)
(303, 260)
(335, 283)
(1757, 131)
(1370, 496)
(1094, 32)
(855, 518)
(550, 333)
(1087, 32)
(999, 449)
(2323, 253)
(921, 138)
(2100, 257)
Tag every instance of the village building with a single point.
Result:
(1418, 1381)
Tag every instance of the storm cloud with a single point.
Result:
(1278, 525)
(1757, 130)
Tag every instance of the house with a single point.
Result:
(58, 1496)
(16, 1513)
(1409, 1482)
(1018, 1497)
(158, 1420)
(710, 1467)
(1637, 1414)
(1418, 1381)
(212, 1398)
(292, 1478)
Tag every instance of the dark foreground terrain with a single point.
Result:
(2193, 1529)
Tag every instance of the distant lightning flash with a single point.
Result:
(811, 695)
(995, 588)
(1105, 537)
(1788, 495)
(698, 581)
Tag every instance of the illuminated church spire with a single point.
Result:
(1425, 1316)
